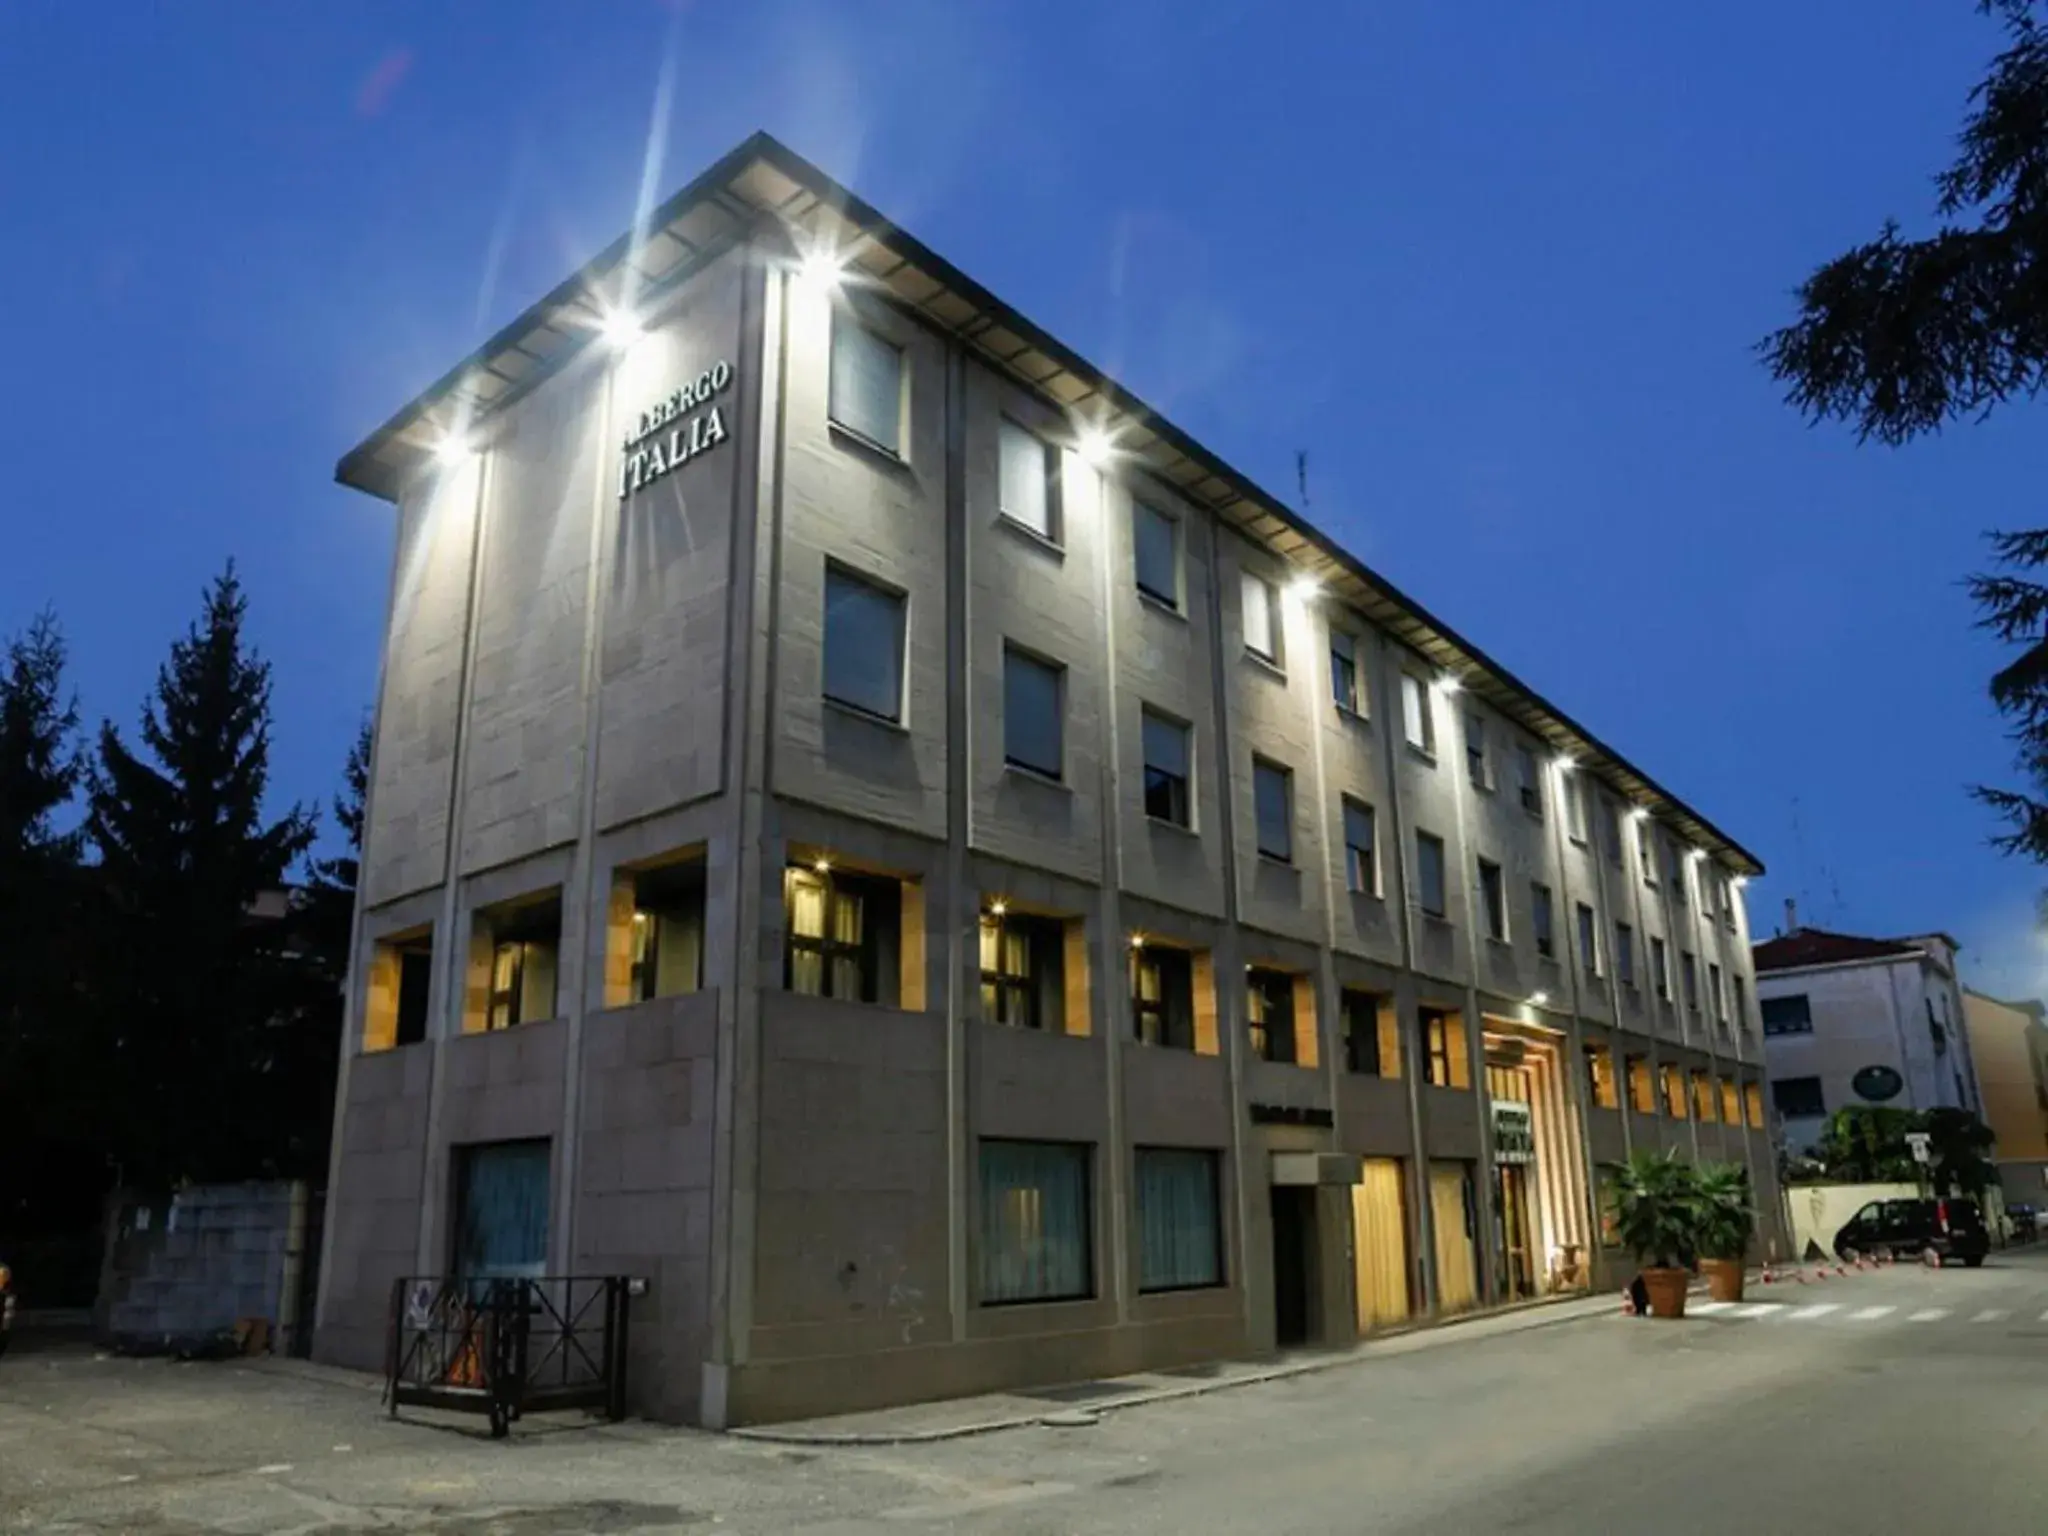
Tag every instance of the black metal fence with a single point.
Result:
(506, 1347)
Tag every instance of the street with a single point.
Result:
(1899, 1399)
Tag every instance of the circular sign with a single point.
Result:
(1877, 1084)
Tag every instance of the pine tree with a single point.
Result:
(200, 978)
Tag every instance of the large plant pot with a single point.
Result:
(1724, 1278)
(1666, 1288)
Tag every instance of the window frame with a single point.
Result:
(1660, 967)
(1083, 1157)
(1267, 772)
(1478, 765)
(1269, 1015)
(1351, 700)
(1802, 1026)
(1009, 431)
(1370, 860)
(1358, 1017)
(1185, 734)
(865, 953)
(1625, 954)
(1529, 777)
(1418, 725)
(1274, 652)
(1543, 919)
(1056, 673)
(1576, 818)
(844, 318)
(1587, 923)
(1171, 1021)
(1022, 992)
(1219, 1247)
(1441, 911)
(1174, 602)
(846, 574)
(1493, 900)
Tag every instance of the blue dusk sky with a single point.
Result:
(1498, 268)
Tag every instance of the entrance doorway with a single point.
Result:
(1294, 1263)
(1536, 1189)
(1511, 1233)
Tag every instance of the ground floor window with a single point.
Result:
(668, 931)
(842, 933)
(501, 1210)
(1022, 961)
(1035, 1220)
(1269, 1011)
(1163, 996)
(1180, 1221)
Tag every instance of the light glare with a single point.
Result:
(620, 329)
(1094, 447)
(821, 270)
(1305, 589)
(453, 449)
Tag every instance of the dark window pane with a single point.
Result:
(1156, 540)
(867, 384)
(863, 645)
(1032, 735)
(1034, 1222)
(1180, 1242)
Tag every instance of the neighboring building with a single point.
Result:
(1851, 1021)
(2009, 1042)
(882, 835)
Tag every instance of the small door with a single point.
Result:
(1457, 1259)
(1379, 1237)
(1511, 1229)
(1294, 1263)
(501, 1210)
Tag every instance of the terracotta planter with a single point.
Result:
(1667, 1291)
(1724, 1278)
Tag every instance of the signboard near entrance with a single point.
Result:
(1514, 1132)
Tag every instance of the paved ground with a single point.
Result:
(1899, 1400)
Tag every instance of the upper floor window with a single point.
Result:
(1646, 850)
(1273, 806)
(1610, 830)
(1589, 941)
(1022, 969)
(1166, 769)
(1660, 969)
(1600, 1077)
(1345, 685)
(1027, 480)
(1625, 954)
(1163, 996)
(1798, 1098)
(1714, 991)
(1741, 1004)
(668, 930)
(1361, 848)
(1689, 975)
(1033, 736)
(1370, 1046)
(1493, 899)
(1787, 1015)
(1429, 873)
(842, 932)
(1543, 919)
(1446, 1063)
(1575, 806)
(1269, 1014)
(1418, 720)
(1528, 778)
(867, 385)
(1674, 869)
(863, 645)
(1156, 548)
(1476, 768)
(1261, 618)
(399, 1001)
(525, 942)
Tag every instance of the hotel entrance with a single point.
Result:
(1536, 1189)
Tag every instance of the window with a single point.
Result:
(1753, 1102)
(399, 998)
(1026, 478)
(1493, 897)
(1798, 1098)
(1443, 1049)
(1180, 1225)
(1156, 550)
(1273, 808)
(1625, 954)
(1610, 831)
(1369, 1048)
(1731, 1102)
(1642, 1096)
(1674, 1090)
(1714, 991)
(1575, 806)
(1033, 716)
(1269, 1011)
(1361, 851)
(1646, 854)
(415, 969)
(1023, 970)
(1261, 617)
(1163, 996)
(1660, 969)
(1674, 870)
(842, 933)
(1429, 873)
(668, 931)
(1600, 1077)
(1544, 920)
(867, 384)
(1689, 974)
(501, 1210)
(1703, 1097)
(1418, 721)
(1475, 753)
(1589, 941)
(1345, 686)
(1166, 769)
(1035, 1222)
(1529, 779)
(1786, 1015)
(1741, 1004)
(863, 645)
(525, 941)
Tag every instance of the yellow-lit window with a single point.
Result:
(1674, 1090)
(1731, 1102)
(1642, 1093)
(1703, 1096)
(1600, 1076)
(1753, 1100)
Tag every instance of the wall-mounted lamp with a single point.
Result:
(822, 271)
(1095, 447)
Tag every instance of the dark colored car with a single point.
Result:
(1951, 1229)
(2026, 1222)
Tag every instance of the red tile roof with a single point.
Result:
(1812, 946)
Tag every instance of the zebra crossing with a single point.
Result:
(1892, 1314)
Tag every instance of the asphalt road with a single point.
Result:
(1902, 1400)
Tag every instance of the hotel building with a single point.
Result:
(876, 832)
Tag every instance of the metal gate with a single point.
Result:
(509, 1346)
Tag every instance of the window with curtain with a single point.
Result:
(1600, 1076)
(1674, 1090)
(1156, 551)
(1163, 996)
(867, 384)
(1022, 970)
(1261, 617)
(668, 931)
(501, 1210)
(863, 645)
(1035, 1243)
(1180, 1223)
(1269, 1013)
(1026, 480)
(1642, 1093)
(841, 933)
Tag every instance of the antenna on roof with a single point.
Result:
(1301, 475)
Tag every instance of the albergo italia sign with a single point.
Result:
(675, 429)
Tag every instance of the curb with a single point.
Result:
(1064, 1416)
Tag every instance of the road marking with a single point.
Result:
(1991, 1315)
(1931, 1315)
(1821, 1310)
(1758, 1309)
(1704, 1307)
(1871, 1314)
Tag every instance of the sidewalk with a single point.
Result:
(1081, 1402)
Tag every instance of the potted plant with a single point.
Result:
(1727, 1221)
(1655, 1201)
